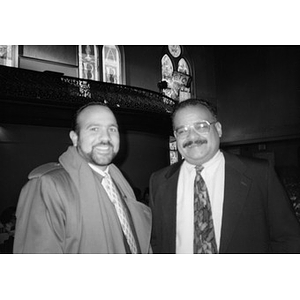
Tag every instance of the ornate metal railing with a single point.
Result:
(53, 88)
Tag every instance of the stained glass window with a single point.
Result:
(167, 71)
(9, 55)
(183, 66)
(111, 64)
(88, 62)
(175, 50)
(185, 90)
(167, 67)
(173, 150)
(176, 73)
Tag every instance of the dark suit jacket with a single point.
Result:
(257, 215)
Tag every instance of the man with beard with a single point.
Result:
(216, 202)
(83, 204)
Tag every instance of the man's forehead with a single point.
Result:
(93, 112)
(198, 111)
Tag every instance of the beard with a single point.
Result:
(96, 158)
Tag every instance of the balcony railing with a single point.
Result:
(20, 85)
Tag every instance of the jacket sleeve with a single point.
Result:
(40, 218)
(284, 226)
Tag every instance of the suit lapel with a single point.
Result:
(169, 186)
(235, 193)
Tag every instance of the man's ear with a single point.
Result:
(74, 137)
(219, 128)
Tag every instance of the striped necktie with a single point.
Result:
(120, 209)
(204, 233)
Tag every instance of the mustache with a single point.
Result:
(104, 143)
(196, 142)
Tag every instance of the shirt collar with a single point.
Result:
(98, 170)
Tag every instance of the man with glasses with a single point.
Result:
(216, 202)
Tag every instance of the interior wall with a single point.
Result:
(141, 154)
(258, 92)
(41, 66)
(23, 148)
(283, 154)
(203, 62)
(143, 68)
(56, 58)
(65, 54)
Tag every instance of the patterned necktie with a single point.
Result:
(120, 209)
(204, 233)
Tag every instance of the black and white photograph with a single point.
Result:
(130, 145)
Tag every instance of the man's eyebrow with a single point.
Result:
(91, 125)
(114, 125)
(181, 126)
(101, 125)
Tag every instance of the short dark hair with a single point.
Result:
(195, 102)
(75, 125)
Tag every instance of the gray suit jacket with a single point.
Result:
(257, 215)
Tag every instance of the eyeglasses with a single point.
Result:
(202, 127)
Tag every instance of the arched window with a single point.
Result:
(109, 60)
(183, 67)
(9, 55)
(176, 73)
(111, 64)
(166, 67)
(185, 90)
(88, 62)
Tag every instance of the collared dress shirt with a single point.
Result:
(214, 177)
(98, 170)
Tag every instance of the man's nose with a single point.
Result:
(192, 132)
(104, 135)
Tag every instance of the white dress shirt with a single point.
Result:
(214, 177)
(98, 170)
(104, 174)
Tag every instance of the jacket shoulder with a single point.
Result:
(44, 169)
(247, 164)
(167, 171)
